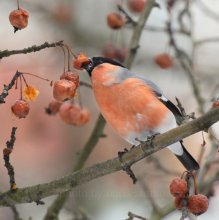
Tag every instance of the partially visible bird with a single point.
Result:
(134, 106)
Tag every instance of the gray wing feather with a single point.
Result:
(124, 74)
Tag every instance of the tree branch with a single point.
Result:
(34, 48)
(38, 192)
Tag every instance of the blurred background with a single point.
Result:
(46, 148)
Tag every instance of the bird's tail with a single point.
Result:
(187, 160)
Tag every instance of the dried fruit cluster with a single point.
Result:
(64, 90)
(179, 188)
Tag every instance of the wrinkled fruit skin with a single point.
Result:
(80, 60)
(197, 204)
(71, 76)
(63, 90)
(20, 108)
(73, 114)
(136, 5)
(19, 18)
(115, 20)
(53, 107)
(164, 61)
(178, 187)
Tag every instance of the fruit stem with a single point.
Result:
(31, 74)
(18, 7)
(21, 88)
(63, 49)
(195, 183)
(67, 47)
(24, 80)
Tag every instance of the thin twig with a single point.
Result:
(34, 48)
(4, 93)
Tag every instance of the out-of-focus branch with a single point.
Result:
(34, 48)
(207, 40)
(40, 191)
(138, 28)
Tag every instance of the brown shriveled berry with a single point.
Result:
(178, 187)
(20, 108)
(109, 51)
(197, 204)
(7, 151)
(63, 90)
(136, 5)
(115, 20)
(73, 114)
(80, 60)
(71, 76)
(164, 61)
(112, 52)
(215, 104)
(53, 107)
(19, 19)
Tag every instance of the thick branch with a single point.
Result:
(34, 48)
(38, 192)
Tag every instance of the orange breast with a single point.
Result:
(129, 106)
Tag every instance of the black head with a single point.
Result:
(95, 61)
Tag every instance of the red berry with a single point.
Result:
(178, 187)
(136, 5)
(71, 76)
(53, 107)
(63, 90)
(80, 60)
(19, 19)
(164, 61)
(115, 20)
(73, 114)
(197, 204)
(20, 108)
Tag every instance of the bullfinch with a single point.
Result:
(134, 106)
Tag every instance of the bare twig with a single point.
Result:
(132, 215)
(6, 155)
(4, 93)
(40, 191)
(34, 48)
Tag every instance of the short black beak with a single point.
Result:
(89, 67)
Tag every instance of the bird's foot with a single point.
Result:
(151, 138)
(126, 167)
